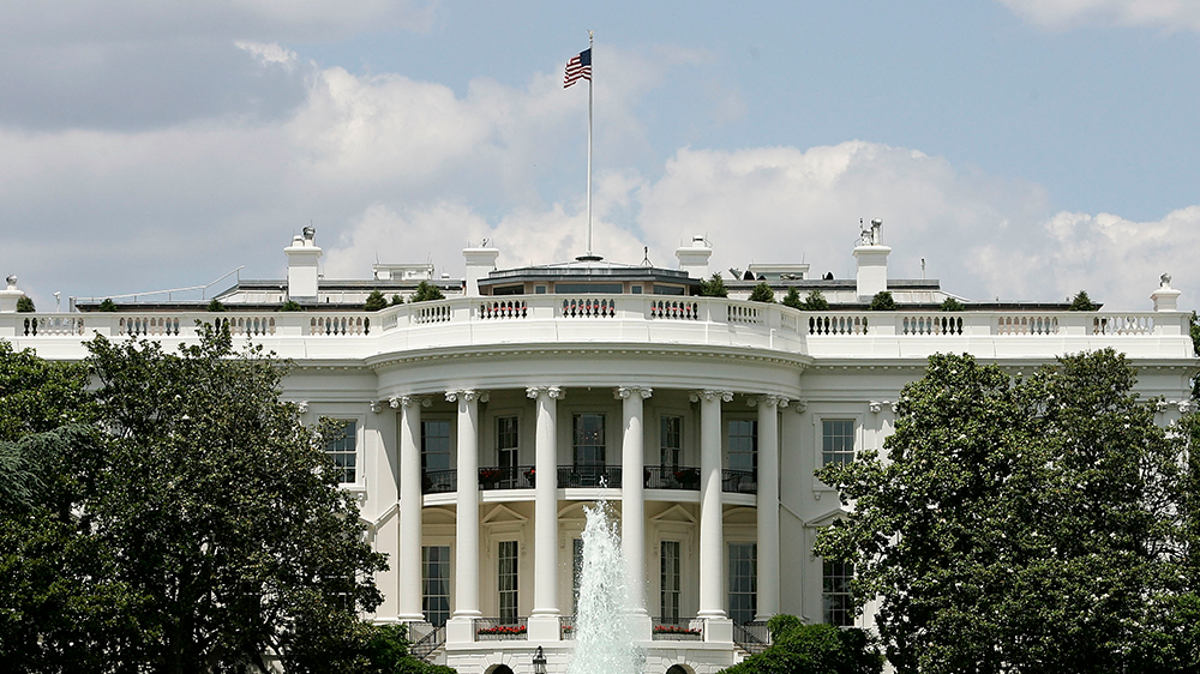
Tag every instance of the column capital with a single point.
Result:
(396, 402)
(767, 400)
(376, 406)
(711, 395)
(302, 406)
(622, 392)
(555, 392)
(799, 405)
(467, 394)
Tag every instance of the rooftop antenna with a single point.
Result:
(646, 257)
(922, 269)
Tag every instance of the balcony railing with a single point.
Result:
(753, 637)
(439, 481)
(507, 477)
(739, 481)
(589, 476)
(677, 629)
(672, 477)
(566, 627)
(501, 629)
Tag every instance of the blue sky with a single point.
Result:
(1026, 149)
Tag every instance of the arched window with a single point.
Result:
(502, 669)
(677, 669)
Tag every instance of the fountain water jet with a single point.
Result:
(603, 627)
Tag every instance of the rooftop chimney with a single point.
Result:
(872, 262)
(480, 261)
(694, 258)
(302, 257)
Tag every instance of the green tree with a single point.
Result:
(883, 301)
(792, 299)
(1023, 525)
(226, 512)
(426, 292)
(815, 301)
(25, 305)
(813, 649)
(396, 299)
(951, 304)
(1082, 302)
(291, 305)
(762, 293)
(714, 287)
(108, 306)
(375, 301)
(215, 305)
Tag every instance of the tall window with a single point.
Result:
(743, 445)
(589, 449)
(837, 441)
(435, 445)
(435, 581)
(343, 451)
(671, 440)
(669, 581)
(507, 439)
(835, 594)
(743, 582)
(506, 580)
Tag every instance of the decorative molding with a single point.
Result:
(397, 402)
(876, 406)
(302, 407)
(1160, 406)
(800, 406)
(710, 395)
(376, 406)
(555, 392)
(1185, 406)
(467, 394)
(622, 392)
(768, 400)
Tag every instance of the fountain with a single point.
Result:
(603, 631)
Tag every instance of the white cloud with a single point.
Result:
(1165, 14)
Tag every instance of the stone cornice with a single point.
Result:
(622, 392)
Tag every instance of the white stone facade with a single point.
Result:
(481, 426)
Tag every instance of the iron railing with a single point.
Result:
(589, 476)
(739, 481)
(677, 629)
(501, 629)
(439, 481)
(566, 627)
(753, 637)
(425, 646)
(507, 477)
(672, 477)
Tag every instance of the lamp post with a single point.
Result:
(539, 661)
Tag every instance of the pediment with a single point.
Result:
(502, 514)
(675, 513)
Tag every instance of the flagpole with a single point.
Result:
(589, 176)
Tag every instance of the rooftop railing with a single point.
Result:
(622, 318)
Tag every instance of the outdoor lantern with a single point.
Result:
(539, 662)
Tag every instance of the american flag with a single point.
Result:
(578, 68)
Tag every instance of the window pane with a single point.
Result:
(435, 580)
(589, 439)
(435, 445)
(743, 581)
(669, 576)
(506, 579)
(835, 595)
(343, 452)
(671, 440)
(743, 445)
(837, 441)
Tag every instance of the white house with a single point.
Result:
(479, 426)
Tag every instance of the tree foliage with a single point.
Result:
(25, 305)
(815, 301)
(1081, 302)
(714, 287)
(426, 292)
(951, 304)
(883, 301)
(215, 305)
(108, 306)
(291, 305)
(1021, 525)
(792, 299)
(193, 526)
(762, 293)
(375, 301)
(797, 648)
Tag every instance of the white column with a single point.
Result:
(411, 500)
(712, 532)
(768, 504)
(633, 506)
(466, 538)
(543, 621)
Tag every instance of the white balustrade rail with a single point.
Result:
(534, 318)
